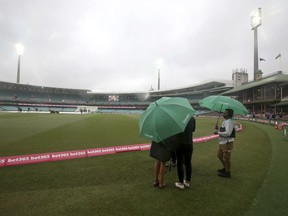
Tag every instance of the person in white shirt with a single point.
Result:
(226, 140)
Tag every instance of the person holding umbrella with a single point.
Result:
(162, 120)
(226, 139)
(161, 152)
(227, 130)
(159, 165)
(184, 155)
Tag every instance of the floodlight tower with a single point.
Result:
(159, 66)
(256, 21)
(19, 52)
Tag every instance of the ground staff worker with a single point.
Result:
(226, 140)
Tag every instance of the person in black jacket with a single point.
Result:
(184, 155)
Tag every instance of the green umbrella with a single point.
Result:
(165, 117)
(219, 103)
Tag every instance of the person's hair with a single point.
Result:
(230, 112)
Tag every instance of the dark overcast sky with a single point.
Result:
(113, 45)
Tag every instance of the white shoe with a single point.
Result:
(186, 184)
(180, 185)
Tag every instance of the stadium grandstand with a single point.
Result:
(195, 93)
(266, 94)
(22, 97)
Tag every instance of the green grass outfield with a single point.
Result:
(121, 184)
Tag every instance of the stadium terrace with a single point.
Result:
(266, 94)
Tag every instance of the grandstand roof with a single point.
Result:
(28, 87)
(216, 85)
(278, 77)
(114, 93)
(210, 86)
(198, 87)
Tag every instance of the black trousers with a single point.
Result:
(184, 157)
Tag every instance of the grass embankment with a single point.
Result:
(121, 184)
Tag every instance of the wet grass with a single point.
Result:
(121, 184)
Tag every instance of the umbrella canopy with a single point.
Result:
(220, 103)
(165, 117)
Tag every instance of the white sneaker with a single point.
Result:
(180, 185)
(186, 184)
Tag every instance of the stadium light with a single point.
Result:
(256, 21)
(256, 18)
(19, 52)
(159, 66)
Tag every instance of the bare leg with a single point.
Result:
(162, 174)
(156, 172)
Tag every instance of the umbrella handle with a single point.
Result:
(216, 125)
